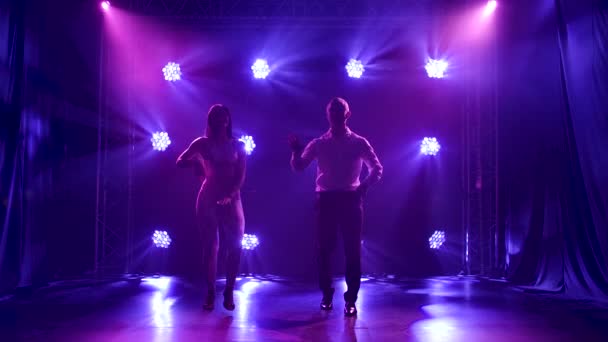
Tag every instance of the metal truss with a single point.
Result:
(481, 234)
(113, 211)
(113, 224)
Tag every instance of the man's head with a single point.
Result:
(337, 112)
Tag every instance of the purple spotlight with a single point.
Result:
(249, 143)
(490, 8)
(436, 68)
(429, 146)
(172, 72)
(250, 242)
(160, 141)
(437, 239)
(355, 68)
(260, 69)
(161, 239)
(105, 5)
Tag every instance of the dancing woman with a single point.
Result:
(218, 206)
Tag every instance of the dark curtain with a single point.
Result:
(47, 141)
(553, 138)
(11, 209)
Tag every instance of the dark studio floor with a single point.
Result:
(272, 309)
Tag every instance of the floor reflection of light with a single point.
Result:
(242, 295)
(437, 330)
(161, 310)
(160, 283)
(442, 326)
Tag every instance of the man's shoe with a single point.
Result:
(350, 309)
(327, 303)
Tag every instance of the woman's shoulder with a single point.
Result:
(200, 140)
(200, 143)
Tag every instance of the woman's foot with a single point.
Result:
(229, 300)
(209, 302)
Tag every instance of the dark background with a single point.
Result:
(553, 129)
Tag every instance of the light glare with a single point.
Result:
(437, 239)
(172, 72)
(260, 69)
(161, 239)
(249, 143)
(250, 242)
(355, 68)
(160, 141)
(436, 68)
(429, 146)
(490, 8)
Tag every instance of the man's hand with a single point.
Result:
(294, 144)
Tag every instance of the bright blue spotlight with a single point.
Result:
(172, 72)
(260, 69)
(436, 68)
(429, 146)
(437, 239)
(161, 239)
(160, 141)
(355, 68)
(250, 242)
(249, 143)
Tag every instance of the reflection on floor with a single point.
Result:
(274, 309)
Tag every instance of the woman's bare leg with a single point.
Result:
(208, 225)
(233, 225)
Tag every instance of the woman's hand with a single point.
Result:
(225, 201)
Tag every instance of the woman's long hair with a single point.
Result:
(214, 111)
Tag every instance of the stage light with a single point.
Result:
(161, 239)
(436, 68)
(260, 68)
(160, 141)
(105, 5)
(354, 68)
(172, 72)
(429, 146)
(250, 242)
(437, 239)
(490, 8)
(249, 143)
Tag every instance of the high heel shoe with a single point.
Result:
(209, 302)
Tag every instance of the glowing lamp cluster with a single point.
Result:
(437, 239)
(160, 141)
(355, 68)
(105, 5)
(250, 242)
(161, 239)
(260, 69)
(249, 143)
(172, 72)
(436, 68)
(429, 146)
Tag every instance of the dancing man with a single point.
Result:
(218, 205)
(339, 154)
